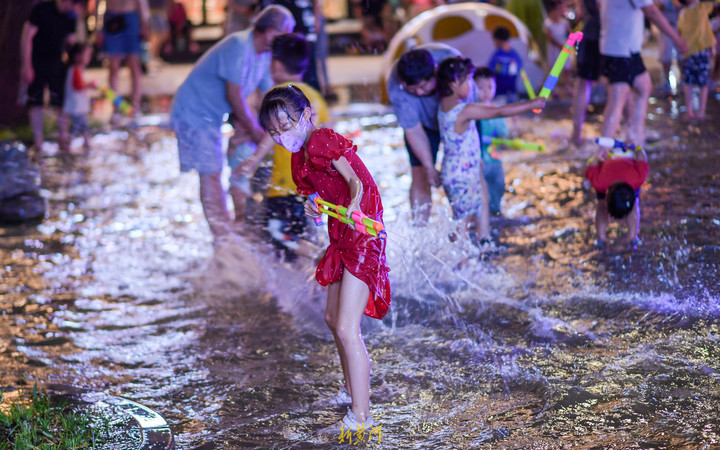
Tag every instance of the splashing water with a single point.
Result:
(547, 343)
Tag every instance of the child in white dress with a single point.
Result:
(461, 172)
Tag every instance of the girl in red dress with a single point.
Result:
(354, 266)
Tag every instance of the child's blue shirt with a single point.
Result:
(506, 66)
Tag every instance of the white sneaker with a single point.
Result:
(350, 423)
(342, 398)
(351, 429)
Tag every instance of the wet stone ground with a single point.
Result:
(549, 344)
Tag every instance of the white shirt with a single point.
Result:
(621, 26)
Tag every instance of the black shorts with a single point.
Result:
(696, 68)
(589, 60)
(621, 69)
(602, 195)
(434, 138)
(52, 75)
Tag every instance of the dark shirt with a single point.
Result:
(506, 66)
(53, 28)
(157, 4)
(591, 29)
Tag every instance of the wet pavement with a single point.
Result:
(549, 344)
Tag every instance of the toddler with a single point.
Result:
(76, 103)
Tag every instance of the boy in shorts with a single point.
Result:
(621, 38)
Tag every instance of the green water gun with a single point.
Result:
(513, 143)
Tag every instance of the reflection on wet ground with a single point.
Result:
(550, 343)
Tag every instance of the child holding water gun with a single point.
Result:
(694, 26)
(461, 173)
(76, 102)
(353, 266)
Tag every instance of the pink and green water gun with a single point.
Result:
(359, 221)
(552, 78)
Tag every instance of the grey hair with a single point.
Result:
(274, 16)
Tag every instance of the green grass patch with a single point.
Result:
(34, 420)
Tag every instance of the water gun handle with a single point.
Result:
(609, 142)
(315, 197)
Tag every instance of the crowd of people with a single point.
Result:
(438, 96)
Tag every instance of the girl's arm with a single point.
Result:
(477, 111)
(356, 187)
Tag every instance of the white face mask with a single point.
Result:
(294, 138)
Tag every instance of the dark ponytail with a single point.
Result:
(451, 70)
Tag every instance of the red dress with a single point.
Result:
(363, 255)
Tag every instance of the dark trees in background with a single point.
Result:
(13, 14)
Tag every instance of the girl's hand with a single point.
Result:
(538, 102)
(311, 209)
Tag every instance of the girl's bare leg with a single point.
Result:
(688, 94)
(703, 102)
(354, 295)
(331, 318)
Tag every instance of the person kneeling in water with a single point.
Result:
(617, 180)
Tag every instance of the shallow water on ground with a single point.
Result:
(548, 344)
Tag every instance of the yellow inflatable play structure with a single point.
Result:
(468, 27)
